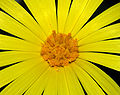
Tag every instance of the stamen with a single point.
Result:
(59, 50)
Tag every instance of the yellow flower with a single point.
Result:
(53, 54)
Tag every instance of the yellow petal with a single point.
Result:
(76, 10)
(108, 16)
(51, 88)
(12, 26)
(62, 13)
(11, 43)
(87, 12)
(62, 83)
(108, 60)
(11, 73)
(19, 13)
(10, 57)
(112, 46)
(90, 86)
(45, 14)
(106, 82)
(39, 86)
(73, 83)
(109, 32)
(23, 82)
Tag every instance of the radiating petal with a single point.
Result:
(10, 57)
(108, 16)
(89, 9)
(62, 13)
(11, 43)
(12, 26)
(77, 8)
(51, 88)
(109, 32)
(19, 13)
(73, 83)
(11, 73)
(108, 60)
(39, 86)
(90, 86)
(107, 83)
(112, 46)
(23, 82)
(44, 12)
(62, 83)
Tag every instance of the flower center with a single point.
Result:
(59, 49)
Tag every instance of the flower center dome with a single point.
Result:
(59, 49)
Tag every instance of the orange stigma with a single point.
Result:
(59, 49)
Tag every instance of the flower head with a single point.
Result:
(52, 51)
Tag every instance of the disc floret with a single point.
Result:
(59, 49)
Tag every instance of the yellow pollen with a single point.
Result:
(59, 49)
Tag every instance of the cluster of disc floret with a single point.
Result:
(59, 49)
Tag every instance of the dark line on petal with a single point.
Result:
(93, 79)
(22, 24)
(18, 1)
(80, 83)
(2, 88)
(68, 13)
(115, 22)
(111, 53)
(112, 23)
(23, 4)
(14, 18)
(56, 5)
(111, 72)
(78, 19)
(24, 93)
(5, 12)
(9, 34)
(34, 82)
(11, 16)
(1, 50)
(118, 54)
(70, 6)
(103, 6)
(12, 35)
(42, 92)
(18, 20)
(28, 89)
(6, 66)
(82, 87)
(117, 38)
